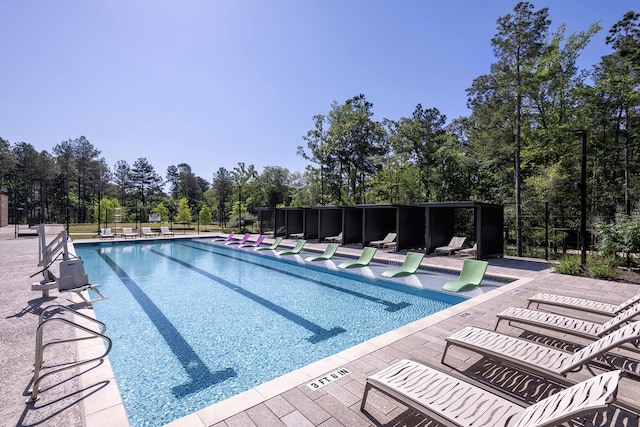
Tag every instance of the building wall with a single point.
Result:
(4, 210)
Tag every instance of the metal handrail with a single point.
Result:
(39, 356)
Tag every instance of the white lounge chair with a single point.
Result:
(580, 304)
(472, 251)
(106, 233)
(390, 238)
(557, 322)
(165, 231)
(456, 243)
(540, 358)
(455, 402)
(128, 232)
(146, 232)
(334, 239)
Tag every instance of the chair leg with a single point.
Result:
(367, 387)
(444, 354)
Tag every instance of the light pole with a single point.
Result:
(583, 196)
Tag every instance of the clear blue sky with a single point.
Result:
(212, 83)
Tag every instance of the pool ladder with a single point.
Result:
(40, 346)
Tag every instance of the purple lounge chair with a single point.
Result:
(255, 244)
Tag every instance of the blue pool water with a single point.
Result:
(194, 323)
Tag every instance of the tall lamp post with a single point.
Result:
(583, 196)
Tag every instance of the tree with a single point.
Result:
(223, 188)
(319, 154)
(205, 215)
(7, 162)
(145, 180)
(104, 210)
(122, 179)
(415, 141)
(518, 45)
(242, 175)
(184, 211)
(161, 210)
(358, 144)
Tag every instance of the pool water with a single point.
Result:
(194, 323)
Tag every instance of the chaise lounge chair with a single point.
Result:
(456, 243)
(565, 324)
(389, 239)
(296, 249)
(273, 246)
(538, 358)
(590, 306)
(128, 232)
(334, 239)
(255, 244)
(296, 235)
(472, 251)
(146, 232)
(239, 241)
(225, 239)
(165, 231)
(471, 276)
(326, 255)
(106, 233)
(410, 265)
(365, 258)
(451, 401)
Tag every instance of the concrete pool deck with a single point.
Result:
(88, 395)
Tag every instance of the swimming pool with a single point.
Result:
(195, 323)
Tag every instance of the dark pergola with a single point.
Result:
(333, 220)
(488, 225)
(293, 220)
(406, 221)
(272, 221)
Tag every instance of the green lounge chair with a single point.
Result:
(296, 249)
(365, 258)
(327, 255)
(273, 246)
(409, 266)
(471, 275)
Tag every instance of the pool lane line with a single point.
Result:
(198, 371)
(389, 306)
(319, 333)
